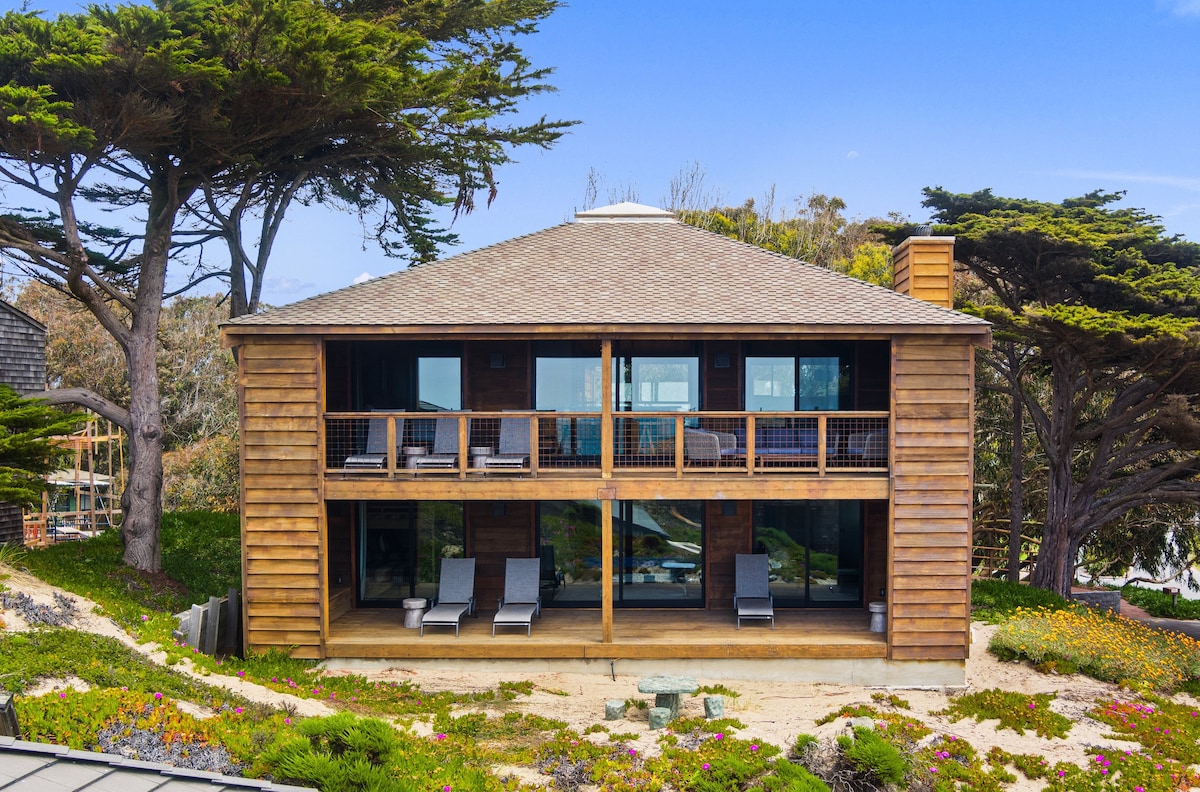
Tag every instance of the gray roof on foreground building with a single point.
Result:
(41, 767)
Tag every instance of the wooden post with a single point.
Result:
(606, 415)
(822, 442)
(231, 621)
(391, 446)
(679, 447)
(195, 626)
(750, 444)
(462, 446)
(534, 444)
(606, 567)
(208, 643)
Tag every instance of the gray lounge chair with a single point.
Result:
(456, 595)
(514, 445)
(751, 589)
(375, 453)
(445, 447)
(521, 601)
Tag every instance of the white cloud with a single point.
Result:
(1119, 177)
(363, 278)
(1184, 8)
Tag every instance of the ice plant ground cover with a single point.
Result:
(1101, 645)
(491, 737)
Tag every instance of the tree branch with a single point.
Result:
(89, 399)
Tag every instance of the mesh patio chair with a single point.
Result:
(521, 601)
(456, 595)
(374, 454)
(751, 591)
(514, 445)
(445, 447)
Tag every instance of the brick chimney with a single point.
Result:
(923, 267)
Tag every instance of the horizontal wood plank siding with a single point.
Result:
(931, 506)
(281, 494)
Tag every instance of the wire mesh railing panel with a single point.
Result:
(356, 443)
(568, 441)
(644, 441)
(714, 443)
(862, 442)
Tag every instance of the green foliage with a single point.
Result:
(890, 699)
(26, 452)
(1101, 645)
(1158, 603)
(870, 262)
(202, 551)
(995, 601)
(871, 755)
(1016, 711)
(101, 662)
(718, 690)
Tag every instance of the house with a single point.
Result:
(634, 401)
(23, 368)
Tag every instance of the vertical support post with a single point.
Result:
(606, 412)
(679, 447)
(462, 445)
(606, 570)
(534, 444)
(391, 446)
(750, 444)
(212, 628)
(822, 442)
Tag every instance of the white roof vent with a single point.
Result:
(625, 212)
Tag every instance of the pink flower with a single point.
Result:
(705, 766)
(241, 673)
(288, 721)
(145, 617)
(720, 736)
(238, 710)
(1062, 773)
(633, 751)
(441, 736)
(933, 769)
(446, 788)
(753, 748)
(157, 696)
(62, 695)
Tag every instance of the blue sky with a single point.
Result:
(864, 100)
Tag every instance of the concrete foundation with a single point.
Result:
(866, 672)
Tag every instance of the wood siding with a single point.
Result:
(282, 513)
(923, 267)
(496, 531)
(22, 351)
(725, 535)
(929, 557)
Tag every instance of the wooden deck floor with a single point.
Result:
(644, 634)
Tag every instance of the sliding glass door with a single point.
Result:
(658, 553)
(815, 551)
(400, 547)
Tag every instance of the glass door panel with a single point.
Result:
(658, 553)
(771, 384)
(569, 544)
(815, 551)
(401, 545)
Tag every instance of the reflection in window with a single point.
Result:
(568, 384)
(657, 384)
(771, 384)
(439, 384)
(815, 551)
(401, 547)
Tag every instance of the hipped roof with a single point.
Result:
(624, 267)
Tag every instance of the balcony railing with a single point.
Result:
(543, 443)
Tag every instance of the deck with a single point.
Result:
(637, 634)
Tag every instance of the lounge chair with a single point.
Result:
(549, 577)
(751, 589)
(456, 595)
(514, 445)
(445, 447)
(375, 453)
(521, 601)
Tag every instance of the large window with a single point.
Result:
(658, 553)
(815, 551)
(657, 384)
(568, 384)
(401, 547)
(805, 382)
(412, 376)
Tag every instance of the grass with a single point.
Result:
(994, 601)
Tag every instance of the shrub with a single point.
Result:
(871, 755)
(994, 601)
(1016, 711)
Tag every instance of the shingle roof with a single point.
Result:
(34, 766)
(636, 266)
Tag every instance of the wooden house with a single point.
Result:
(635, 402)
(23, 368)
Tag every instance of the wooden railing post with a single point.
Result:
(463, 462)
(535, 447)
(822, 443)
(750, 444)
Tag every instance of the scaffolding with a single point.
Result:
(83, 500)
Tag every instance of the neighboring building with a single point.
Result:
(22, 366)
(686, 398)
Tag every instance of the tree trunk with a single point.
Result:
(142, 499)
(1055, 569)
(1016, 512)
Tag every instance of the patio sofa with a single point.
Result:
(787, 441)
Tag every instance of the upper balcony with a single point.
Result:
(532, 444)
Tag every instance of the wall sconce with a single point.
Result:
(728, 508)
(721, 360)
(498, 360)
(499, 509)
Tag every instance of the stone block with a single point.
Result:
(659, 717)
(714, 707)
(614, 709)
(1105, 600)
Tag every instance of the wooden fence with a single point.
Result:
(213, 628)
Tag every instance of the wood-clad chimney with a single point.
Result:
(923, 267)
